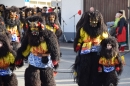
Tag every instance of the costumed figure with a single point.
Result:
(113, 28)
(53, 25)
(121, 31)
(28, 13)
(13, 27)
(110, 62)
(7, 66)
(2, 11)
(87, 45)
(41, 48)
(22, 18)
(39, 11)
(44, 13)
(3, 29)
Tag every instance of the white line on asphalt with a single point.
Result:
(125, 79)
(66, 61)
(66, 48)
(124, 82)
(65, 80)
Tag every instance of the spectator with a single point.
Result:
(113, 28)
(121, 31)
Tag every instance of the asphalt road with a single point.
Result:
(65, 77)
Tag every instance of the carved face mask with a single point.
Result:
(94, 18)
(52, 18)
(34, 27)
(23, 14)
(29, 13)
(1, 8)
(13, 14)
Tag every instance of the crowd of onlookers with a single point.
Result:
(118, 28)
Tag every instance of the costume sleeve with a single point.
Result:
(22, 52)
(104, 35)
(12, 58)
(58, 33)
(79, 39)
(115, 23)
(119, 65)
(52, 44)
(26, 52)
(82, 36)
(121, 24)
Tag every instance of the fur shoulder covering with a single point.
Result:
(58, 33)
(13, 23)
(52, 44)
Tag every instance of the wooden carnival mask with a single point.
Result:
(13, 14)
(1, 8)
(34, 27)
(29, 13)
(52, 18)
(22, 14)
(94, 18)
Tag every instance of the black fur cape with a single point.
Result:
(80, 22)
(59, 31)
(6, 48)
(108, 54)
(3, 28)
(2, 25)
(44, 35)
(84, 22)
(2, 10)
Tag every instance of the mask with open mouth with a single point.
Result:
(94, 19)
(34, 27)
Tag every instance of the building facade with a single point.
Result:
(40, 3)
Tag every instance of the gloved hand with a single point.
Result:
(117, 69)
(19, 63)
(54, 73)
(56, 26)
(77, 48)
(99, 69)
(55, 63)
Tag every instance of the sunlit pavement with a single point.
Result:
(65, 77)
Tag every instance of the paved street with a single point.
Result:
(65, 78)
